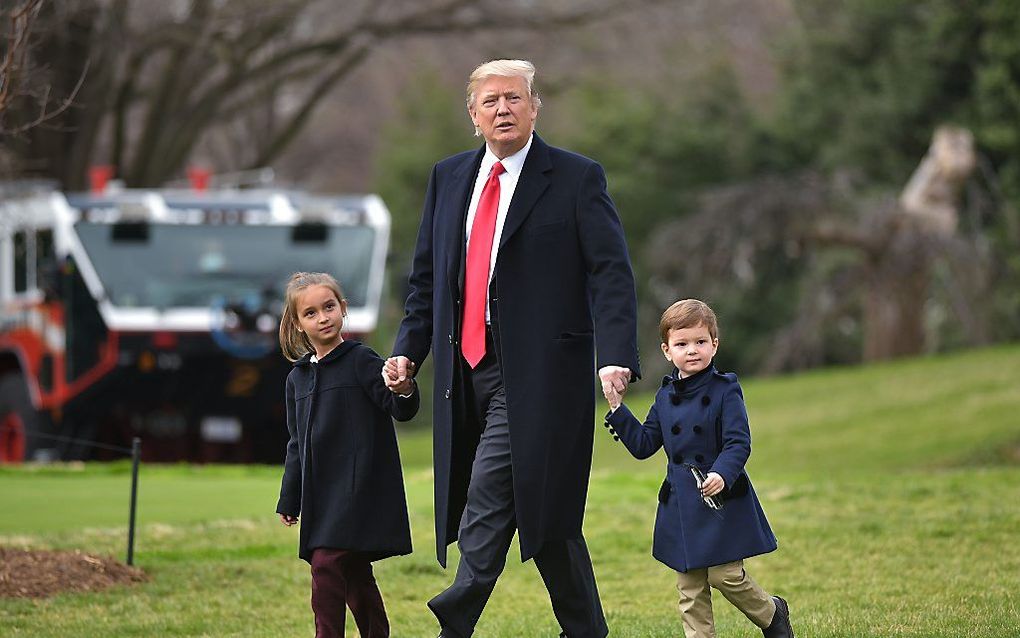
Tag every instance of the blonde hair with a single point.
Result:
(503, 69)
(688, 313)
(293, 342)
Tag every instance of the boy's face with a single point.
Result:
(320, 315)
(690, 349)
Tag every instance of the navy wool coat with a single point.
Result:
(342, 472)
(700, 420)
(562, 293)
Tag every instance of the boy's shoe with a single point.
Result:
(780, 627)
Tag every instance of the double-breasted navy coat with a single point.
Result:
(342, 471)
(562, 290)
(702, 421)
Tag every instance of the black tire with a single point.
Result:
(14, 399)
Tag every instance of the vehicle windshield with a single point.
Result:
(191, 265)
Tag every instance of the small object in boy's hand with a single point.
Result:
(713, 502)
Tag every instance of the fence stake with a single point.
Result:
(136, 455)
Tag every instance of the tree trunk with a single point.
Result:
(897, 291)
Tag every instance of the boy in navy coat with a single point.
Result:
(709, 518)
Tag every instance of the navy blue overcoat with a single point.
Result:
(342, 472)
(562, 293)
(702, 421)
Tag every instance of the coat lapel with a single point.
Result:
(457, 199)
(530, 187)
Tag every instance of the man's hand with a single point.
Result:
(398, 375)
(614, 383)
(399, 368)
(713, 484)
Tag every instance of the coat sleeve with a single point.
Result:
(736, 435)
(369, 369)
(414, 337)
(610, 276)
(290, 488)
(641, 440)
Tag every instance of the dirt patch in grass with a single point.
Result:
(38, 574)
(999, 454)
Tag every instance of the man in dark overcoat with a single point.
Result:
(520, 282)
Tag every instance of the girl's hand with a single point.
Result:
(403, 388)
(288, 520)
(713, 484)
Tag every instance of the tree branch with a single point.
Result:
(13, 66)
(297, 121)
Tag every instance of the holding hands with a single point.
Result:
(614, 384)
(398, 375)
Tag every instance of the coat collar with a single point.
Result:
(454, 206)
(332, 355)
(530, 186)
(691, 383)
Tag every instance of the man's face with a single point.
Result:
(505, 113)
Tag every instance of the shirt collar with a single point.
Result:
(337, 350)
(512, 164)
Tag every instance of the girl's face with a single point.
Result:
(690, 349)
(320, 316)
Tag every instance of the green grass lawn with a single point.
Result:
(894, 491)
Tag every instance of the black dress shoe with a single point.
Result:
(780, 627)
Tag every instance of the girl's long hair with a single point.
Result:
(294, 343)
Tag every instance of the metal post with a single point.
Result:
(136, 455)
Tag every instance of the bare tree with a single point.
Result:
(17, 26)
(15, 70)
(161, 75)
(902, 242)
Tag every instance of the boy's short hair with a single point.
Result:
(688, 313)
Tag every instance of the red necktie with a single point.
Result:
(476, 277)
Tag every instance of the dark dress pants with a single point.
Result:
(488, 525)
(342, 579)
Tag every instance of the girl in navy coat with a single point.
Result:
(709, 518)
(342, 473)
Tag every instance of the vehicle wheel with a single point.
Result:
(18, 420)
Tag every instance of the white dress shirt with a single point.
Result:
(512, 166)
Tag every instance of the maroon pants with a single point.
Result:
(342, 579)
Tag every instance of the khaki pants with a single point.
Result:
(734, 583)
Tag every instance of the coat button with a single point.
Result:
(699, 458)
(678, 458)
(697, 429)
(616, 438)
(447, 395)
(606, 423)
(612, 431)
(675, 429)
